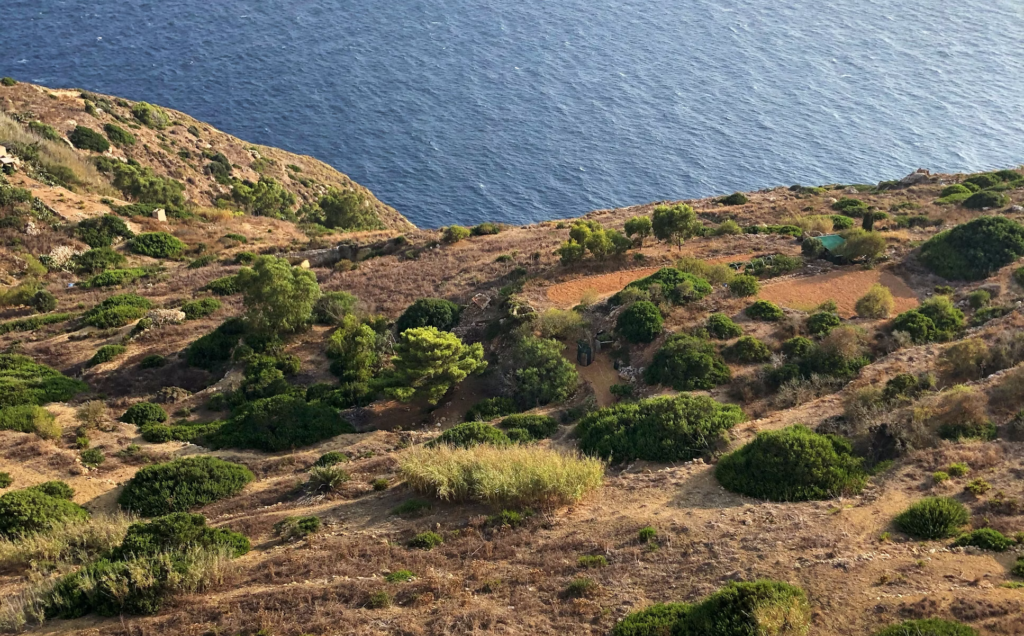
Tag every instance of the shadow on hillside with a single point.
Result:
(701, 490)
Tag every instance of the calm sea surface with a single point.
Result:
(473, 110)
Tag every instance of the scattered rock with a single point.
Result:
(166, 316)
(171, 395)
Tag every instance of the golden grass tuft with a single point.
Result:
(55, 153)
(514, 475)
(76, 542)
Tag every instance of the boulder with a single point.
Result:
(166, 316)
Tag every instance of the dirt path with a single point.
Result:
(844, 286)
(601, 375)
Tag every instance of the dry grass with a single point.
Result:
(55, 153)
(75, 542)
(517, 475)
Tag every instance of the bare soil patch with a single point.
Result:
(843, 286)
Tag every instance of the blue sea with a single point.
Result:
(472, 110)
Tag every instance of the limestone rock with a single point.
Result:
(166, 316)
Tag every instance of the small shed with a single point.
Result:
(584, 353)
(832, 242)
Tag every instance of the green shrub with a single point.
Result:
(736, 198)
(8, 81)
(215, 347)
(485, 228)
(85, 138)
(429, 312)
(102, 230)
(470, 434)
(143, 413)
(764, 310)
(23, 381)
(647, 534)
(117, 311)
(33, 322)
(935, 320)
(850, 207)
(297, 527)
(5, 480)
(426, 541)
(657, 620)
(455, 233)
(399, 576)
(967, 429)
(748, 349)
(592, 561)
(106, 353)
(150, 115)
(116, 277)
(181, 432)
(332, 307)
(840, 223)
(581, 587)
(674, 284)
(119, 136)
(748, 609)
(141, 184)
(933, 518)
(98, 260)
(986, 199)
(153, 361)
(491, 408)
(37, 508)
(539, 374)
(46, 131)
(182, 485)
(958, 469)
(722, 327)
(658, 429)
(43, 301)
(29, 418)
(780, 265)
(92, 457)
(196, 309)
(534, 426)
(986, 539)
(955, 188)
(928, 627)
(687, 364)
(798, 347)
(157, 245)
(281, 422)
(225, 286)
(640, 322)
(793, 464)
(822, 322)
(973, 250)
(177, 531)
(331, 458)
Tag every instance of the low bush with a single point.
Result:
(973, 250)
(116, 277)
(748, 608)
(225, 286)
(721, 327)
(485, 229)
(928, 627)
(744, 286)
(28, 418)
(491, 408)
(297, 527)
(150, 115)
(657, 620)
(332, 307)
(426, 541)
(118, 136)
(143, 413)
(37, 508)
(411, 507)
(331, 458)
(153, 361)
(641, 322)
(736, 198)
(793, 464)
(429, 312)
(876, 303)
(665, 429)
(686, 363)
(106, 353)
(215, 347)
(764, 310)
(986, 539)
(850, 207)
(748, 349)
(33, 322)
(117, 311)
(326, 479)
(933, 518)
(822, 322)
(182, 485)
(157, 245)
(538, 373)
(196, 309)
(177, 531)
(455, 233)
(43, 301)
(98, 260)
(5, 480)
(513, 475)
(23, 381)
(671, 283)
(192, 432)
(529, 427)
(935, 320)
(102, 230)
(281, 422)
(85, 138)
(470, 434)
(986, 199)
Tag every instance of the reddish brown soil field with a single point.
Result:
(844, 287)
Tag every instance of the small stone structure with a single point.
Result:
(160, 215)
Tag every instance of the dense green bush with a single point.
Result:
(196, 309)
(485, 228)
(539, 374)
(973, 250)
(470, 434)
(215, 347)
(764, 310)
(25, 418)
(491, 408)
(455, 233)
(426, 541)
(986, 199)
(143, 413)
(106, 353)
(928, 627)
(986, 539)
(840, 223)
(98, 260)
(281, 422)
(116, 277)
(736, 198)
(182, 485)
(793, 464)
(101, 231)
(267, 197)
(85, 138)
(752, 608)
(117, 311)
(429, 312)
(43, 301)
(176, 531)
(822, 322)
(656, 620)
(850, 207)
(150, 115)
(686, 364)
(933, 518)
(331, 458)
(332, 307)
(157, 245)
(118, 136)
(37, 508)
(664, 429)
(674, 284)
(721, 327)
(640, 322)
(5, 480)
(193, 432)
(935, 320)
(225, 286)
(23, 381)
(46, 131)
(141, 184)
(529, 427)
(33, 322)
(153, 361)
(748, 349)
